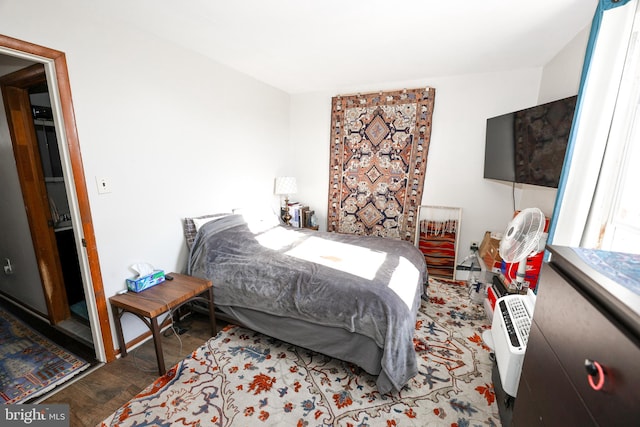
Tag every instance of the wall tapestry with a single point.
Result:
(379, 147)
(437, 238)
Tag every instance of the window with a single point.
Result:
(614, 219)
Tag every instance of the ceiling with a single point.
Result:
(318, 45)
(314, 45)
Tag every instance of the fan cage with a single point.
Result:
(522, 235)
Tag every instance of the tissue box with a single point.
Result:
(138, 284)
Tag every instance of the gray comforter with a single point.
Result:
(366, 285)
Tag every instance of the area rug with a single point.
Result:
(244, 378)
(378, 159)
(30, 364)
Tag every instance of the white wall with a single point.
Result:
(175, 133)
(561, 75)
(456, 154)
(560, 79)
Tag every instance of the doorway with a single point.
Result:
(78, 324)
(54, 64)
(34, 137)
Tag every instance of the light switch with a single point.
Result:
(104, 185)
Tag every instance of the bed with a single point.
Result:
(350, 297)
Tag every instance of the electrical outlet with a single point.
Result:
(8, 269)
(474, 246)
(104, 185)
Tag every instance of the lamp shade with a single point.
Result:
(286, 185)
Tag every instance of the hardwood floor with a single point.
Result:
(96, 395)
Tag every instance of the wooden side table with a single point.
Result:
(149, 304)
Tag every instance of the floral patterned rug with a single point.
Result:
(243, 378)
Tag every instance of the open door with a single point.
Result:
(15, 93)
(55, 66)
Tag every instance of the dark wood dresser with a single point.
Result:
(583, 312)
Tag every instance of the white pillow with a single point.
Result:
(199, 222)
(262, 217)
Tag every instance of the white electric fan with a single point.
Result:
(521, 240)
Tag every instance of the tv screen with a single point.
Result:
(528, 146)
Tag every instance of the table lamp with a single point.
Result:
(286, 185)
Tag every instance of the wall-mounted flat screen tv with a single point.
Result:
(528, 146)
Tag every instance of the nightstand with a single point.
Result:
(151, 303)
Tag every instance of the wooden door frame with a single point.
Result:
(59, 87)
(15, 94)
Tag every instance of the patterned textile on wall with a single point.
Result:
(437, 239)
(379, 147)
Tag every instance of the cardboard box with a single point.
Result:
(490, 252)
(137, 284)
